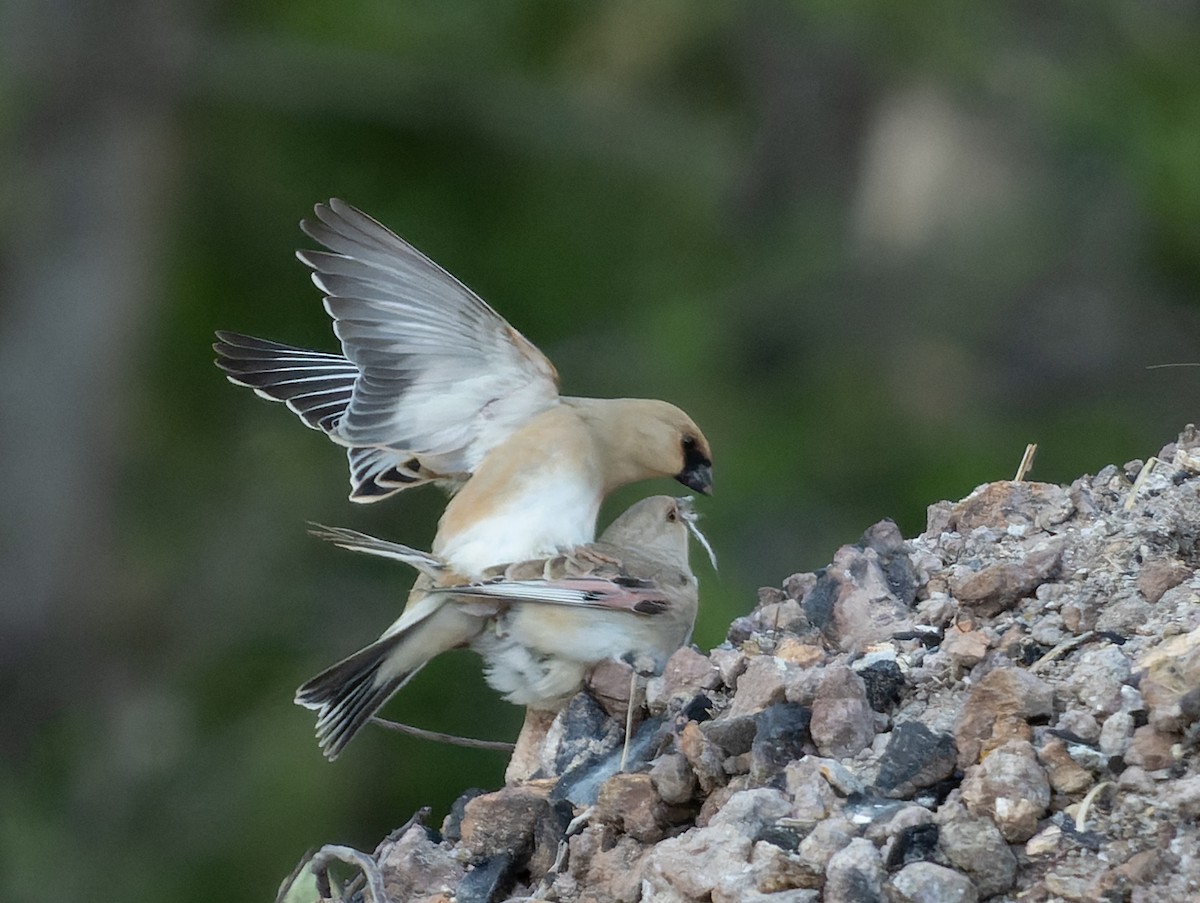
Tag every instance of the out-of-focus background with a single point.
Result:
(873, 248)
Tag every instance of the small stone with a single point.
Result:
(916, 843)
(703, 755)
(885, 684)
(597, 860)
(924, 882)
(1169, 672)
(761, 685)
(1159, 576)
(1003, 699)
(1097, 678)
(1115, 734)
(998, 587)
(609, 683)
(486, 880)
(631, 802)
(826, 839)
(803, 652)
(915, 757)
(1044, 842)
(730, 664)
(673, 779)
(855, 874)
(1151, 749)
(505, 821)
(813, 799)
(976, 847)
(753, 811)
(693, 863)
(687, 673)
(1080, 723)
(780, 738)
(797, 585)
(937, 519)
(1009, 787)
(1005, 503)
(578, 735)
(894, 556)
(854, 603)
(773, 871)
(1065, 776)
(1135, 778)
(1185, 797)
(966, 648)
(780, 618)
(414, 864)
(842, 720)
(733, 734)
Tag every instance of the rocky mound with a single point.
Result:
(1003, 708)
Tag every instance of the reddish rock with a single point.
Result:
(843, 722)
(1064, 774)
(997, 587)
(703, 755)
(998, 707)
(1159, 576)
(965, 647)
(1152, 749)
(1008, 503)
(505, 821)
(631, 802)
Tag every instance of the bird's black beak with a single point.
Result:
(697, 475)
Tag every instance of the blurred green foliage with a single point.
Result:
(872, 248)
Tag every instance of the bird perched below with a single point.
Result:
(540, 625)
(435, 386)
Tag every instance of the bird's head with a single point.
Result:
(648, 438)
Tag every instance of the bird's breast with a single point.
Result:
(531, 519)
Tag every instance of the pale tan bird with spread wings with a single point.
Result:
(540, 625)
(435, 386)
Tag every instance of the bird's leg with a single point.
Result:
(527, 754)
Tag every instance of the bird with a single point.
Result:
(434, 386)
(540, 625)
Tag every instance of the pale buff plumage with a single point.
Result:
(540, 625)
(435, 386)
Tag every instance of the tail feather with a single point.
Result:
(347, 694)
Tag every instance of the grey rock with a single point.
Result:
(826, 839)
(1116, 733)
(976, 847)
(924, 882)
(750, 812)
(855, 874)
(673, 778)
(1011, 788)
(842, 719)
(1097, 678)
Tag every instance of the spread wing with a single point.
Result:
(431, 378)
(441, 374)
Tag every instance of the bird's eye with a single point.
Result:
(672, 516)
(689, 443)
